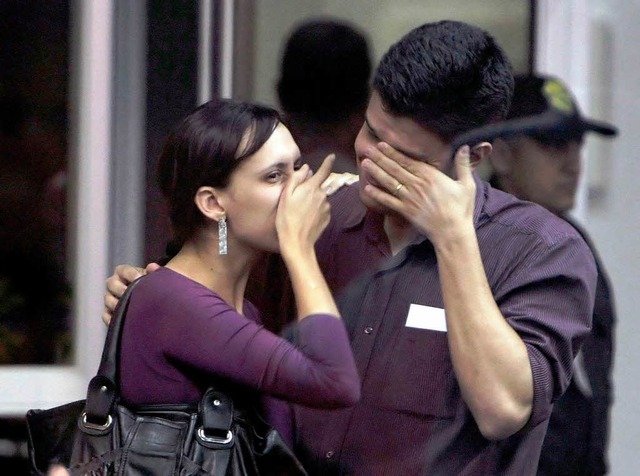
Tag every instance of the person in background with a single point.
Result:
(544, 166)
(465, 306)
(323, 89)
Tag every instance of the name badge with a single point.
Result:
(426, 317)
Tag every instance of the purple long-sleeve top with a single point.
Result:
(179, 337)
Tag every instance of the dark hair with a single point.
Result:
(448, 76)
(325, 71)
(204, 149)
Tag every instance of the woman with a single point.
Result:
(232, 178)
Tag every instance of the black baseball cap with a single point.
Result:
(536, 95)
(543, 108)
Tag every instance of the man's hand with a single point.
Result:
(437, 205)
(123, 275)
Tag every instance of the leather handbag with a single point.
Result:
(221, 436)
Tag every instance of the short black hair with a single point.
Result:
(203, 150)
(325, 70)
(449, 76)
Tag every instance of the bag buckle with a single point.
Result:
(95, 426)
(214, 439)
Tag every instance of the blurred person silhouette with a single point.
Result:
(544, 166)
(324, 88)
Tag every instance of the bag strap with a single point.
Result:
(103, 389)
(216, 418)
(215, 408)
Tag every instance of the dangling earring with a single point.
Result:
(222, 235)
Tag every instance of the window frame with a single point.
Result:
(43, 386)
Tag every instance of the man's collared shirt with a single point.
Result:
(411, 418)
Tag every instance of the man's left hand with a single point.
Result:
(437, 205)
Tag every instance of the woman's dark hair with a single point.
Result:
(448, 76)
(204, 150)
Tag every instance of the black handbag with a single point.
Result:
(100, 436)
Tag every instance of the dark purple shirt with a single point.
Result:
(180, 337)
(411, 419)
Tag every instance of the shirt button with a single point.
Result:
(329, 454)
(368, 330)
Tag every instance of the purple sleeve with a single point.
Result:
(546, 305)
(212, 337)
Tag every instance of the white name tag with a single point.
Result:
(426, 317)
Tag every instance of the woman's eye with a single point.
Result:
(297, 166)
(371, 133)
(274, 176)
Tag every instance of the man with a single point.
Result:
(323, 89)
(543, 166)
(465, 305)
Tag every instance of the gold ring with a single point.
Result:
(397, 190)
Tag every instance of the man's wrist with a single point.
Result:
(455, 239)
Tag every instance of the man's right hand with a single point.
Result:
(123, 275)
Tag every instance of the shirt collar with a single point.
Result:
(481, 198)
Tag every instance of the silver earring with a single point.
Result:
(222, 235)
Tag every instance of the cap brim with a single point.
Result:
(525, 125)
(599, 127)
(547, 121)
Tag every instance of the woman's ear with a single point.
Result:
(479, 152)
(206, 200)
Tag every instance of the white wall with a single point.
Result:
(593, 44)
(614, 222)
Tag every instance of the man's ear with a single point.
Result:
(207, 201)
(479, 152)
(501, 157)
